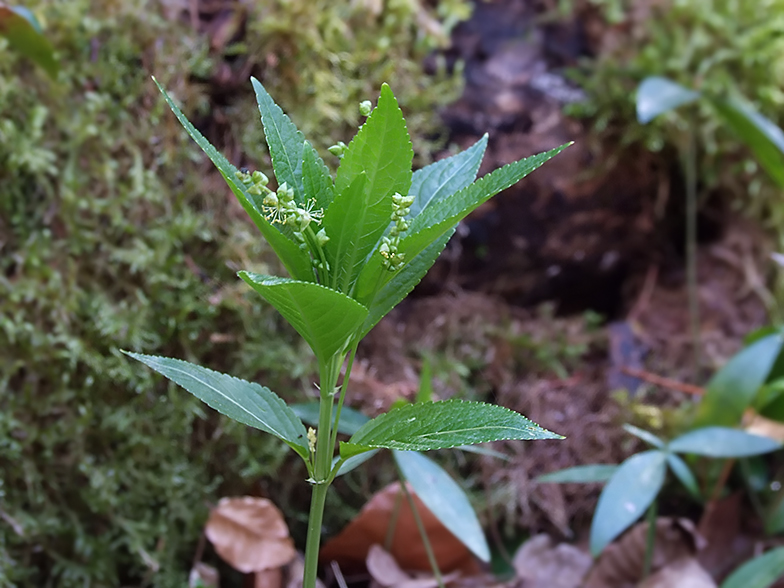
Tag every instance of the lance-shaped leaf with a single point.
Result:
(296, 261)
(316, 180)
(626, 496)
(245, 402)
(683, 473)
(733, 388)
(284, 140)
(439, 425)
(24, 34)
(381, 150)
(442, 216)
(657, 95)
(722, 442)
(761, 135)
(443, 178)
(760, 572)
(445, 499)
(326, 319)
(584, 474)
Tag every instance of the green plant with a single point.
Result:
(632, 487)
(24, 33)
(354, 247)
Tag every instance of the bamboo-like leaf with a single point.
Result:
(296, 261)
(733, 388)
(646, 436)
(284, 140)
(584, 474)
(445, 499)
(626, 496)
(722, 442)
(246, 402)
(683, 473)
(760, 572)
(657, 95)
(440, 425)
(326, 319)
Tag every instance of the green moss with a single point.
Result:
(113, 235)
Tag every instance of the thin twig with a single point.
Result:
(338, 574)
(390, 538)
(663, 382)
(421, 528)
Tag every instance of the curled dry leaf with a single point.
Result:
(250, 534)
(621, 564)
(351, 546)
(540, 564)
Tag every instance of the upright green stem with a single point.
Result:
(431, 557)
(329, 372)
(691, 249)
(650, 540)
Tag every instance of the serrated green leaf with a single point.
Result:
(296, 261)
(657, 95)
(722, 442)
(733, 388)
(400, 284)
(354, 222)
(284, 140)
(761, 135)
(646, 436)
(25, 35)
(440, 179)
(626, 497)
(585, 474)
(245, 402)
(683, 473)
(440, 425)
(316, 180)
(350, 420)
(760, 572)
(445, 499)
(326, 319)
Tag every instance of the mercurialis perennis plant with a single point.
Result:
(354, 246)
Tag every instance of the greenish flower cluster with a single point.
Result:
(401, 207)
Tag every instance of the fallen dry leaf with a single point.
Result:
(386, 572)
(352, 545)
(541, 565)
(621, 564)
(250, 534)
(682, 573)
(268, 579)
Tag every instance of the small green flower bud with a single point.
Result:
(271, 200)
(321, 238)
(365, 107)
(303, 218)
(383, 249)
(285, 193)
(259, 178)
(255, 190)
(338, 149)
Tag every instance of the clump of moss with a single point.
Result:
(110, 237)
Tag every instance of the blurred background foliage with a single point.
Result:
(725, 48)
(114, 234)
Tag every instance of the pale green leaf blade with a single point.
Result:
(296, 261)
(626, 497)
(326, 319)
(245, 402)
(443, 178)
(396, 286)
(657, 95)
(646, 436)
(284, 140)
(722, 442)
(733, 388)
(316, 180)
(760, 134)
(354, 462)
(584, 474)
(25, 35)
(684, 474)
(445, 499)
(760, 572)
(440, 425)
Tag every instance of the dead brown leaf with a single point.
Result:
(540, 564)
(250, 534)
(621, 564)
(351, 546)
(386, 572)
(682, 573)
